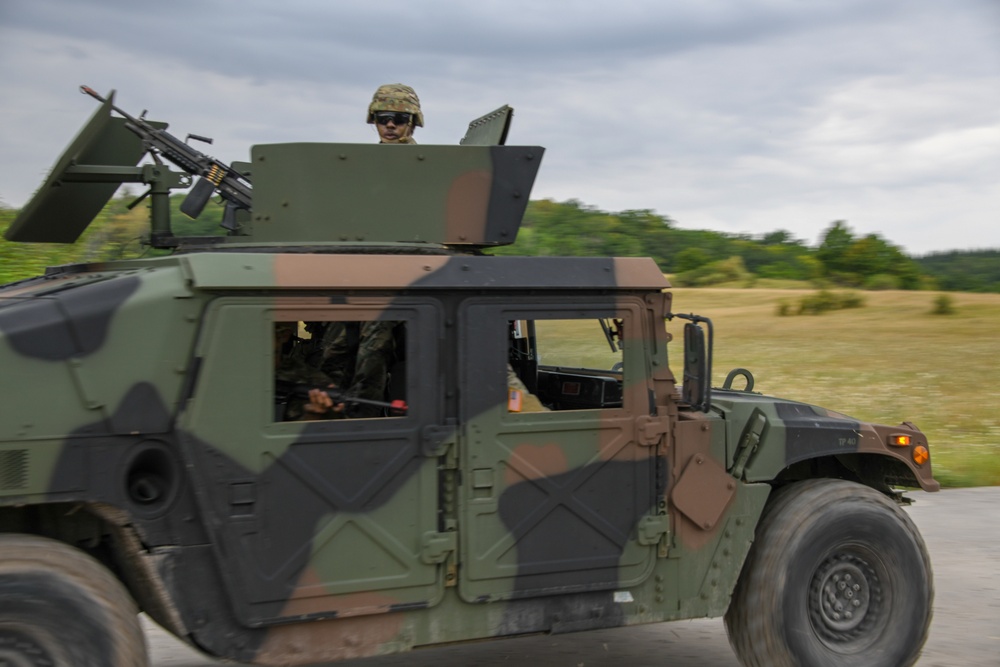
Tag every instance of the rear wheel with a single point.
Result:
(62, 608)
(838, 576)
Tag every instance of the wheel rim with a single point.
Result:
(18, 649)
(847, 606)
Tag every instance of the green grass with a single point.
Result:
(887, 362)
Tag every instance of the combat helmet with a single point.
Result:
(396, 97)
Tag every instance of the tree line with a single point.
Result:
(693, 257)
(701, 257)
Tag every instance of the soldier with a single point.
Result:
(358, 357)
(291, 369)
(395, 111)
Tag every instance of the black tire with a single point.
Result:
(838, 576)
(61, 607)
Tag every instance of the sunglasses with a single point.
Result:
(385, 117)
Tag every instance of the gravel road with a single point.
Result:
(962, 532)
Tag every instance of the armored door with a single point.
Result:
(316, 517)
(562, 499)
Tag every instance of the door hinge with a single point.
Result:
(435, 547)
(435, 440)
(652, 527)
(650, 429)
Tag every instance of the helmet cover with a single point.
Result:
(396, 97)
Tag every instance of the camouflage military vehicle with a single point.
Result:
(538, 464)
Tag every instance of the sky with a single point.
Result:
(736, 116)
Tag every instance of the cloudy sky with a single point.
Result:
(740, 116)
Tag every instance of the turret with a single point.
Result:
(302, 194)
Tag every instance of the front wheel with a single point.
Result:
(60, 607)
(838, 576)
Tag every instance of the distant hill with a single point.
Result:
(964, 270)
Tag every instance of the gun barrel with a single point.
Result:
(137, 123)
(93, 93)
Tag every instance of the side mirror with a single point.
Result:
(697, 387)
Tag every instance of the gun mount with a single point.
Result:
(472, 195)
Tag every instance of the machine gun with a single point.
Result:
(214, 176)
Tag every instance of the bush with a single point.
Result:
(824, 301)
(850, 300)
(883, 281)
(714, 273)
(943, 305)
(817, 303)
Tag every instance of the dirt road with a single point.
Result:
(962, 532)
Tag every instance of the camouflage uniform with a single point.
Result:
(357, 357)
(293, 369)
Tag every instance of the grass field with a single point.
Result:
(887, 362)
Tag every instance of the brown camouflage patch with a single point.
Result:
(328, 641)
(353, 271)
(466, 206)
(535, 462)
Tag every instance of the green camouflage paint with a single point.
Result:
(139, 419)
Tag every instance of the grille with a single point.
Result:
(13, 469)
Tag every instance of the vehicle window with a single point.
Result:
(358, 368)
(567, 364)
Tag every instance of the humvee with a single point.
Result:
(148, 462)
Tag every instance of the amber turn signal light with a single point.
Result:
(920, 455)
(899, 440)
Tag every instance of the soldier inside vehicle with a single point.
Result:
(362, 363)
(359, 364)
